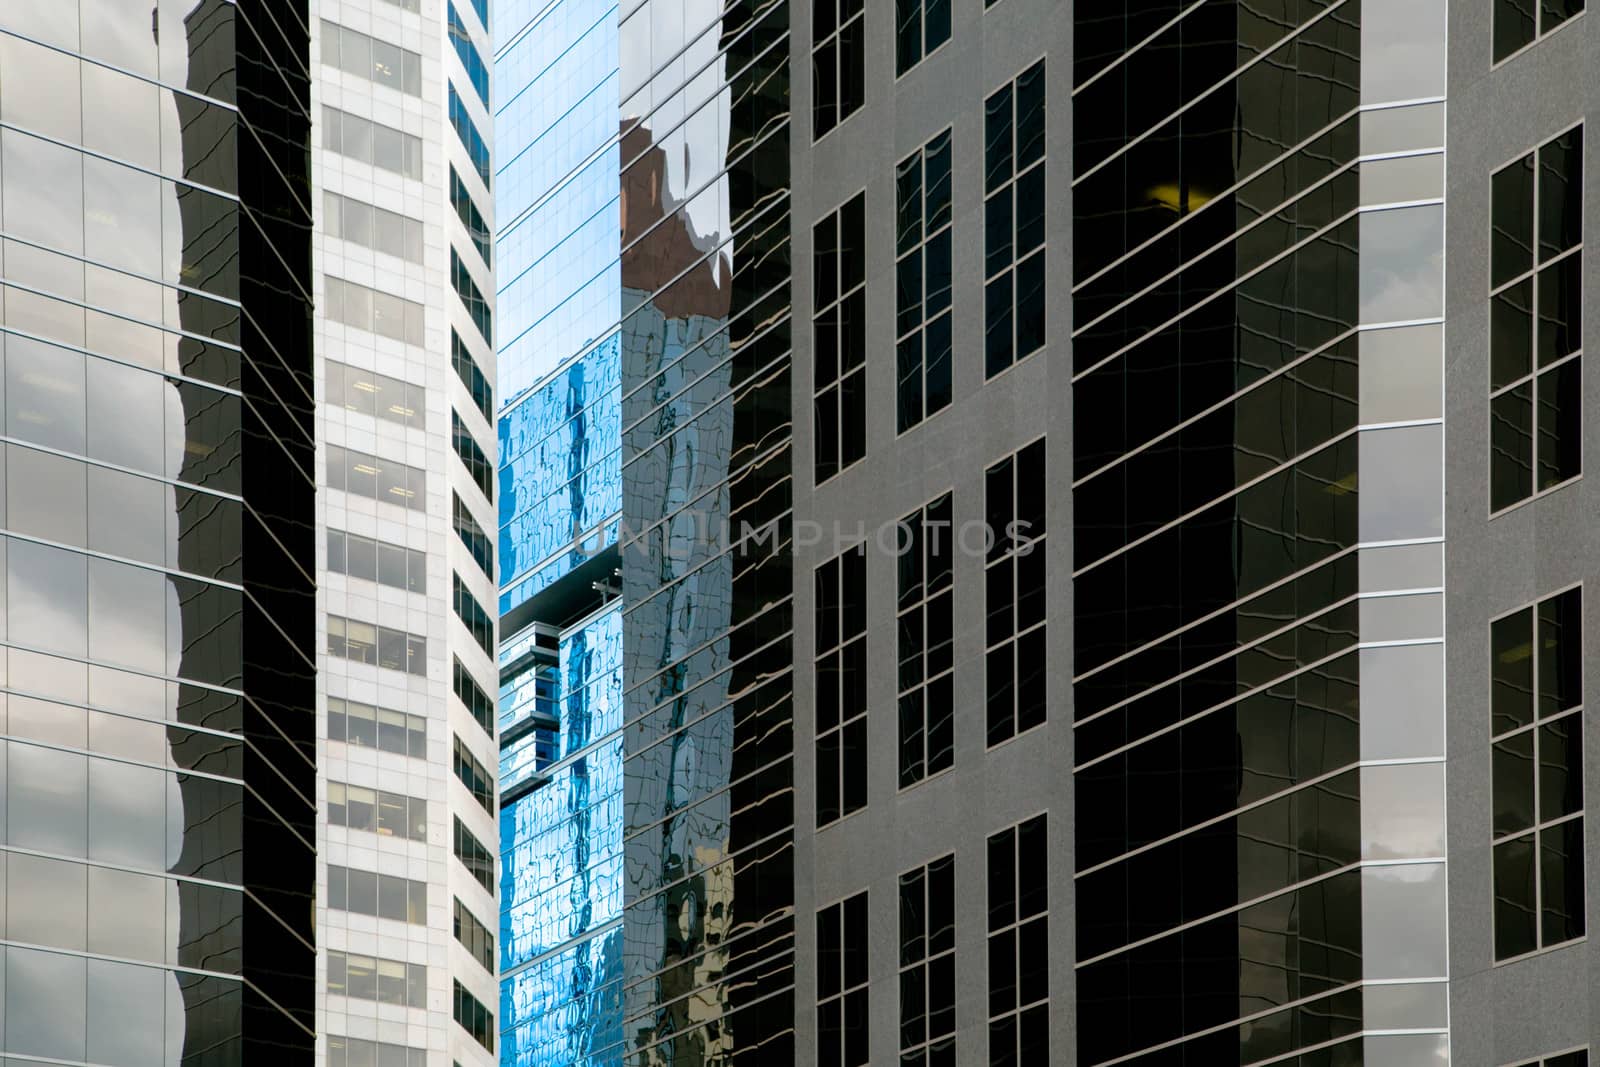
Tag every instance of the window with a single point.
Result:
(1013, 221)
(385, 729)
(1518, 23)
(923, 239)
(920, 26)
(842, 983)
(1019, 945)
(928, 965)
(474, 776)
(478, 860)
(377, 561)
(371, 142)
(472, 456)
(482, 8)
(841, 680)
(839, 336)
(1014, 595)
(472, 615)
(926, 624)
(474, 1018)
(1579, 1058)
(473, 537)
(370, 393)
(383, 895)
(470, 59)
(838, 62)
(472, 695)
(470, 137)
(471, 376)
(354, 1052)
(377, 811)
(370, 978)
(368, 57)
(467, 212)
(1536, 705)
(474, 936)
(471, 298)
(377, 479)
(372, 227)
(378, 646)
(374, 311)
(1535, 302)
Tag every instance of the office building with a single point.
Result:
(159, 772)
(1047, 537)
(402, 268)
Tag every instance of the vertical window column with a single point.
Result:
(926, 625)
(928, 965)
(1536, 705)
(841, 685)
(838, 62)
(1014, 594)
(1535, 298)
(842, 1034)
(923, 250)
(839, 337)
(1019, 946)
(1013, 221)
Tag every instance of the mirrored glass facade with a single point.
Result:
(158, 774)
(1219, 271)
(645, 768)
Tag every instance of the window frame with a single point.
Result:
(926, 962)
(835, 305)
(1538, 33)
(1535, 373)
(1533, 728)
(845, 992)
(1036, 544)
(854, 723)
(921, 250)
(923, 52)
(1014, 928)
(1009, 187)
(924, 603)
(835, 38)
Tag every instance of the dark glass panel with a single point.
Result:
(1559, 421)
(1560, 652)
(1514, 907)
(1511, 235)
(1511, 651)
(1560, 193)
(1513, 783)
(1511, 334)
(1561, 882)
(1560, 309)
(1514, 26)
(1511, 447)
(1560, 768)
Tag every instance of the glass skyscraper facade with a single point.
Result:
(159, 628)
(646, 806)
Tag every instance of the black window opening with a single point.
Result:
(842, 1028)
(1019, 945)
(841, 685)
(1013, 221)
(1536, 707)
(1518, 23)
(928, 965)
(1014, 594)
(925, 626)
(1535, 305)
(838, 62)
(839, 337)
(924, 321)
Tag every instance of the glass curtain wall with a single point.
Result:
(1215, 297)
(159, 735)
(647, 887)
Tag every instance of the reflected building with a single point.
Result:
(646, 885)
(160, 752)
